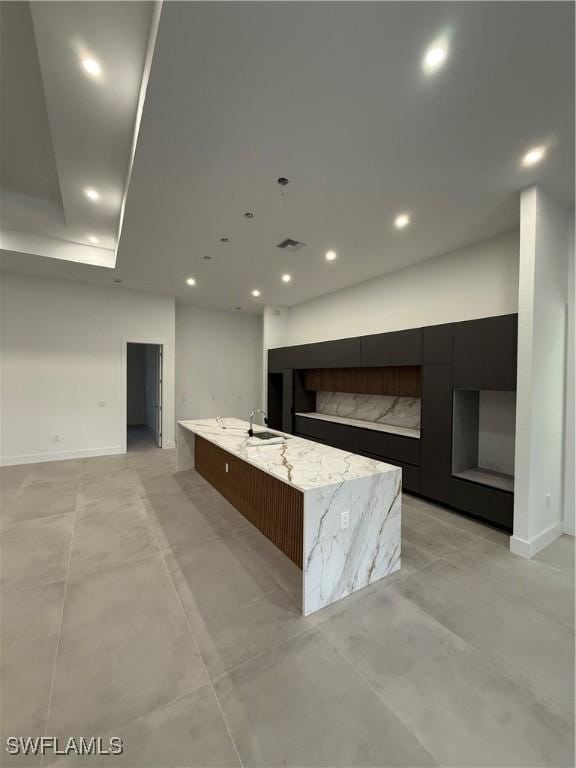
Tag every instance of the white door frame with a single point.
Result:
(124, 397)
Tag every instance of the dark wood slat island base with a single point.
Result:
(276, 509)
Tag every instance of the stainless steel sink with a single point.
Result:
(266, 435)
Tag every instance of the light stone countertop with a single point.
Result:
(391, 429)
(301, 463)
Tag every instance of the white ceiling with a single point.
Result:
(332, 96)
(63, 131)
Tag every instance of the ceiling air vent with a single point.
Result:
(291, 245)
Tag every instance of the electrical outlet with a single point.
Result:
(344, 519)
(548, 500)
(226, 467)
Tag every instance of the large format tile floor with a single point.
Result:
(137, 603)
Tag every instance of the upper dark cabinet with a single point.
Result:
(342, 353)
(437, 344)
(501, 352)
(375, 350)
(468, 361)
(485, 353)
(308, 356)
(406, 347)
(277, 359)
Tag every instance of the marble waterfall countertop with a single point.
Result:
(351, 506)
(301, 463)
(391, 429)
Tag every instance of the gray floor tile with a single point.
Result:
(550, 590)
(103, 465)
(456, 519)
(177, 520)
(55, 471)
(234, 605)
(41, 500)
(36, 551)
(301, 704)
(108, 534)
(521, 641)
(187, 733)
(434, 536)
(11, 478)
(125, 649)
(30, 626)
(560, 554)
(459, 706)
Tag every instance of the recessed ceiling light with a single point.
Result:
(255, 293)
(534, 156)
(401, 221)
(435, 57)
(224, 239)
(117, 280)
(91, 66)
(286, 278)
(93, 239)
(248, 215)
(92, 194)
(206, 258)
(330, 255)
(191, 281)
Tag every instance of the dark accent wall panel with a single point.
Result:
(396, 381)
(274, 507)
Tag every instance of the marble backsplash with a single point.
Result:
(382, 409)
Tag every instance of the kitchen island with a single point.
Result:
(335, 514)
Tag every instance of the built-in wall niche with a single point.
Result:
(483, 437)
(398, 381)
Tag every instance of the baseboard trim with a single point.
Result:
(529, 548)
(37, 458)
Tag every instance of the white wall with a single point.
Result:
(63, 348)
(477, 281)
(497, 431)
(218, 363)
(540, 420)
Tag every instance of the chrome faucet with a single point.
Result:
(220, 422)
(258, 410)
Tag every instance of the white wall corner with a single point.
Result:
(540, 464)
(529, 548)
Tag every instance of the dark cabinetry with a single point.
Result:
(436, 432)
(388, 446)
(406, 347)
(396, 348)
(471, 355)
(437, 344)
(483, 502)
(485, 353)
(375, 350)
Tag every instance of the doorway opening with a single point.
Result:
(143, 396)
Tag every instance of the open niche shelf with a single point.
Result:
(483, 434)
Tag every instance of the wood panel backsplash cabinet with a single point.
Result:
(402, 381)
